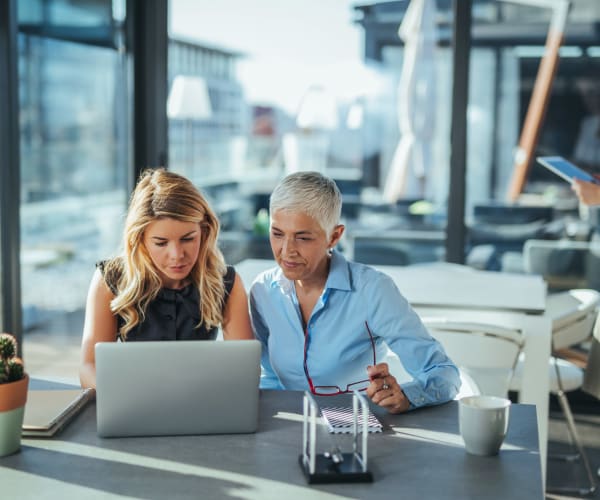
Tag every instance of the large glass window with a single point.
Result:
(512, 52)
(289, 91)
(74, 160)
(262, 88)
(356, 92)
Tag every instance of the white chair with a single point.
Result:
(468, 386)
(591, 378)
(486, 353)
(573, 315)
(564, 264)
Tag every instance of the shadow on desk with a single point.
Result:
(119, 476)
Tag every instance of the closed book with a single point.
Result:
(48, 411)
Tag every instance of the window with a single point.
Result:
(74, 160)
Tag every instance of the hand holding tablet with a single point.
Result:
(587, 192)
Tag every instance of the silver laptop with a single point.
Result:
(174, 388)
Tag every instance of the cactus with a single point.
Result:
(15, 369)
(11, 367)
(3, 372)
(8, 346)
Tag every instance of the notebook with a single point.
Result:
(47, 412)
(175, 388)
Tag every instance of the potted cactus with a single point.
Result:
(13, 395)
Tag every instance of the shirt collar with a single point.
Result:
(339, 275)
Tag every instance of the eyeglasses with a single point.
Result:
(332, 390)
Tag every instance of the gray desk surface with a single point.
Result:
(419, 455)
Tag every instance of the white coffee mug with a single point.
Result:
(483, 422)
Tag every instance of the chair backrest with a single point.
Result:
(500, 213)
(487, 353)
(591, 375)
(573, 315)
(468, 386)
(561, 262)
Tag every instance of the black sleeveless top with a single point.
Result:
(173, 314)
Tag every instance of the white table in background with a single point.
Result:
(455, 291)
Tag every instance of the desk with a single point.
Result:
(419, 455)
(454, 291)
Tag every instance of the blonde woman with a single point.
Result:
(171, 281)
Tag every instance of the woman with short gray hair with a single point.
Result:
(323, 321)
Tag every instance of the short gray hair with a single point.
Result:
(310, 193)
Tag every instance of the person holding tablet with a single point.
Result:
(324, 322)
(587, 192)
(585, 185)
(171, 281)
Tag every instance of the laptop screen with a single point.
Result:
(173, 388)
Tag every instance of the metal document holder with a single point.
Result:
(338, 467)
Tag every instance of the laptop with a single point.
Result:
(175, 388)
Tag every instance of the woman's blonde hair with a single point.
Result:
(163, 194)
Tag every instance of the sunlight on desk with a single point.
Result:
(292, 417)
(443, 438)
(15, 482)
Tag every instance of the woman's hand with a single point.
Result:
(385, 390)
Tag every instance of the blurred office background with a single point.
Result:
(235, 94)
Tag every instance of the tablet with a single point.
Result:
(565, 169)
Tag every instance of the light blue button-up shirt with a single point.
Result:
(338, 345)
